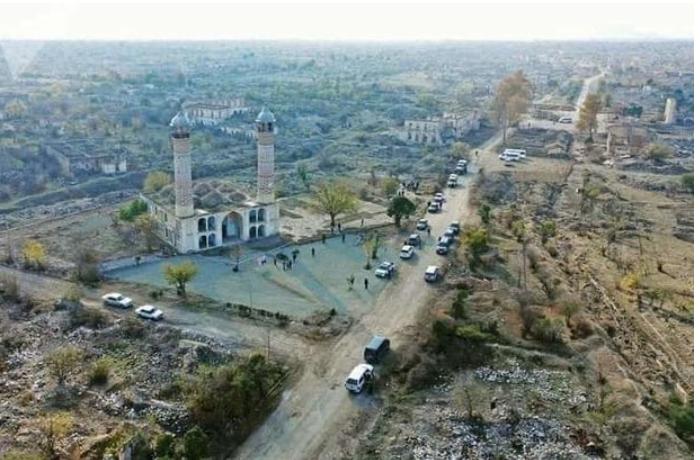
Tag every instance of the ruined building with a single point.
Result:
(195, 217)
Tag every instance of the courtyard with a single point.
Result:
(315, 283)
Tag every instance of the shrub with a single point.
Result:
(73, 294)
(165, 446)
(90, 317)
(472, 333)
(681, 416)
(133, 328)
(548, 330)
(195, 444)
(62, 361)
(9, 287)
(99, 372)
(132, 210)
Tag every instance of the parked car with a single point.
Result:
(414, 240)
(462, 162)
(376, 349)
(358, 378)
(439, 198)
(455, 226)
(566, 120)
(461, 169)
(407, 252)
(442, 248)
(115, 299)
(452, 183)
(433, 207)
(422, 224)
(385, 269)
(150, 312)
(432, 274)
(450, 234)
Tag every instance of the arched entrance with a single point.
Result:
(231, 226)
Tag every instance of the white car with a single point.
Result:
(433, 207)
(407, 252)
(432, 274)
(439, 198)
(385, 269)
(358, 378)
(149, 312)
(422, 224)
(115, 299)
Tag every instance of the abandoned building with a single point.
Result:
(211, 113)
(626, 139)
(436, 130)
(85, 158)
(214, 214)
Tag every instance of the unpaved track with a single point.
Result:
(318, 405)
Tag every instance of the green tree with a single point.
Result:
(399, 208)
(588, 114)
(687, 182)
(475, 240)
(62, 361)
(569, 309)
(179, 275)
(155, 181)
(513, 97)
(304, 176)
(132, 210)
(335, 198)
(547, 230)
(460, 151)
(390, 185)
(195, 444)
(485, 214)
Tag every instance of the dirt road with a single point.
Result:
(319, 405)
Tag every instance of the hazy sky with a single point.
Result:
(343, 21)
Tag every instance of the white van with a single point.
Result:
(509, 156)
(358, 378)
(566, 120)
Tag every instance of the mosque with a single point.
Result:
(213, 214)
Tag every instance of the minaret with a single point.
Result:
(265, 124)
(182, 161)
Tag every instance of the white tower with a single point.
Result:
(182, 160)
(265, 124)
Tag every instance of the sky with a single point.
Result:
(332, 20)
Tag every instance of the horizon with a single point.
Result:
(338, 22)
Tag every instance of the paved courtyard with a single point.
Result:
(316, 283)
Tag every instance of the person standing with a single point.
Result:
(313, 252)
(342, 237)
(366, 283)
(323, 238)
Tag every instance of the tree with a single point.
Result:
(399, 208)
(54, 428)
(390, 185)
(148, 228)
(371, 246)
(485, 214)
(195, 444)
(475, 240)
(155, 181)
(460, 151)
(62, 361)
(658, 152)
(304, 176)
(547, 230)
(687, 182)
(588, 114)
(335, 198)
(513, 97)
(85, 259)
(34, 254)
(179, 275)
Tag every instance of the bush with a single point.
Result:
(99, 372)
(165, 446)
(90, 317)
(9, 288)
(132, 210)
(195, 444)
(681, 416)
(548, 329)
(133, 328)
(472, 333)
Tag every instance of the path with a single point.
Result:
(318, 406)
